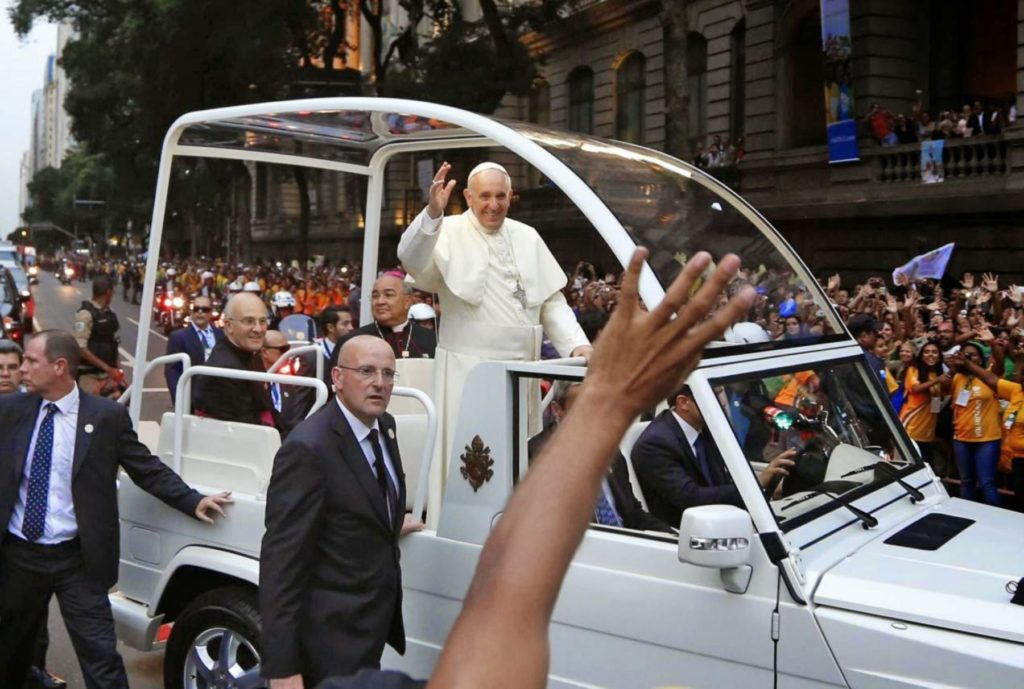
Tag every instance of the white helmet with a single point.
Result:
(746, 333)
(206, 275)
(171, 272)
(283, 299)
(422, 312)
(252, 286)
(235, 286)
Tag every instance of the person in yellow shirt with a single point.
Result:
(924, 384)
(976, 425)
(1013, 414)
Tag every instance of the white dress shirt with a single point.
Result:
(60, 524)
(362, 433)
(689, 431)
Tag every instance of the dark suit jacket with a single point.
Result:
(185, 340)
(670, 476)
(422, 344)
(111, 443)
(232, 400)
(629, 508)
(330, 582)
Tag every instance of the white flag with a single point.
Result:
(929, 265)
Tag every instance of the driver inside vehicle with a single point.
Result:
(679, 465)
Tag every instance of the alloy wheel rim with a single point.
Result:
(221, 658)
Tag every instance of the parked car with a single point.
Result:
(11, 307)
(23, 283)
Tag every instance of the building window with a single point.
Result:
(697, 85)
(804, 114)
(540, 103)
(738, 79)
(581, 100)
(630, 87)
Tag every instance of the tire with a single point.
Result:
(193, 657)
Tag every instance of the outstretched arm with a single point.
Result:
(501, 637)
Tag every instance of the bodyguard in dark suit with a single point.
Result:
(197, 339)
(678, 465)
(59, 456)
(408, 339)
(330, 582)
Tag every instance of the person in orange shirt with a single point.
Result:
(1013, 414)
(976, 425)
(796, 384)
(925, 383)
(303, 296)
(337, 295)
(321, 300)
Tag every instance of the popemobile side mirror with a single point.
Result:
(718, 536)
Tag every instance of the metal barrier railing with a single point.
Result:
(569, 361)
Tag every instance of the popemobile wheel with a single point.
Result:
(215, 643)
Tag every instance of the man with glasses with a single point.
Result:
(197, 340)
(291, 402)
(245, 326)
(330, 582)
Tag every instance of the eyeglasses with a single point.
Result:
(277, 349)
(202, 309)
(250, 322)
(370, 372)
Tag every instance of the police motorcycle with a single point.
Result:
(65, 273)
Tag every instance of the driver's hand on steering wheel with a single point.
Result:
(778, 468)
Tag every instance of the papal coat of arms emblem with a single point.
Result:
(478, 463)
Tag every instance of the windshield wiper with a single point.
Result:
(866, 520)
(893, 473)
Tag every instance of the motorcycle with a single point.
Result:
(169, 311)
(66, 274)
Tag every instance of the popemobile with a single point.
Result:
(858, 571)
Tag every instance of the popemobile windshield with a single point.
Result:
(857, 570)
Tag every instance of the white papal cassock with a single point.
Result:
(500, 291)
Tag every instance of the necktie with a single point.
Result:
(702, 458)
(387, 489)
(275, 396)
(207, 343)
(39, 479)
(605, 512)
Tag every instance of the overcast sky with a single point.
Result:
(21, 72)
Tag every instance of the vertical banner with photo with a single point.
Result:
(932, 169)
(836, 49)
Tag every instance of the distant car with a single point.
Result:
(11, 306)
(23, 283)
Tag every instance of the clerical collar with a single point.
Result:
(396, 329)
(475, 222)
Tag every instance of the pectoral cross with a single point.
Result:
(520, 294)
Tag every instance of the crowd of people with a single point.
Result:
(971, 120)
(719, 152)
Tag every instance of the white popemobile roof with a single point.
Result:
(631, 195)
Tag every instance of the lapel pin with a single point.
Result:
(88, 428)
(391, 433)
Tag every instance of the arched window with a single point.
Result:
(697, 85)
(738, 79)
(630, 87)
(804, 114)
(581, 100)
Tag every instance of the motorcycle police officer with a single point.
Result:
(96, 329)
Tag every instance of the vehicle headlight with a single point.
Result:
(8, 323)
(33, 270)
(25, 293)
(69, 271)
(178, 302)
(168, 302)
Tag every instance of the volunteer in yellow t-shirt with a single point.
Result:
(1013, 416)
(976, 425)
(925, 384)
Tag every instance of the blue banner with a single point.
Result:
(836, 51)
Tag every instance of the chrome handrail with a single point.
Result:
(428, 449)
(164, 360)
(295, 352)
(183, 400)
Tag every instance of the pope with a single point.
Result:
(499, 285)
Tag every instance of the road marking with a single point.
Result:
(162, 337)
(129, 360)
